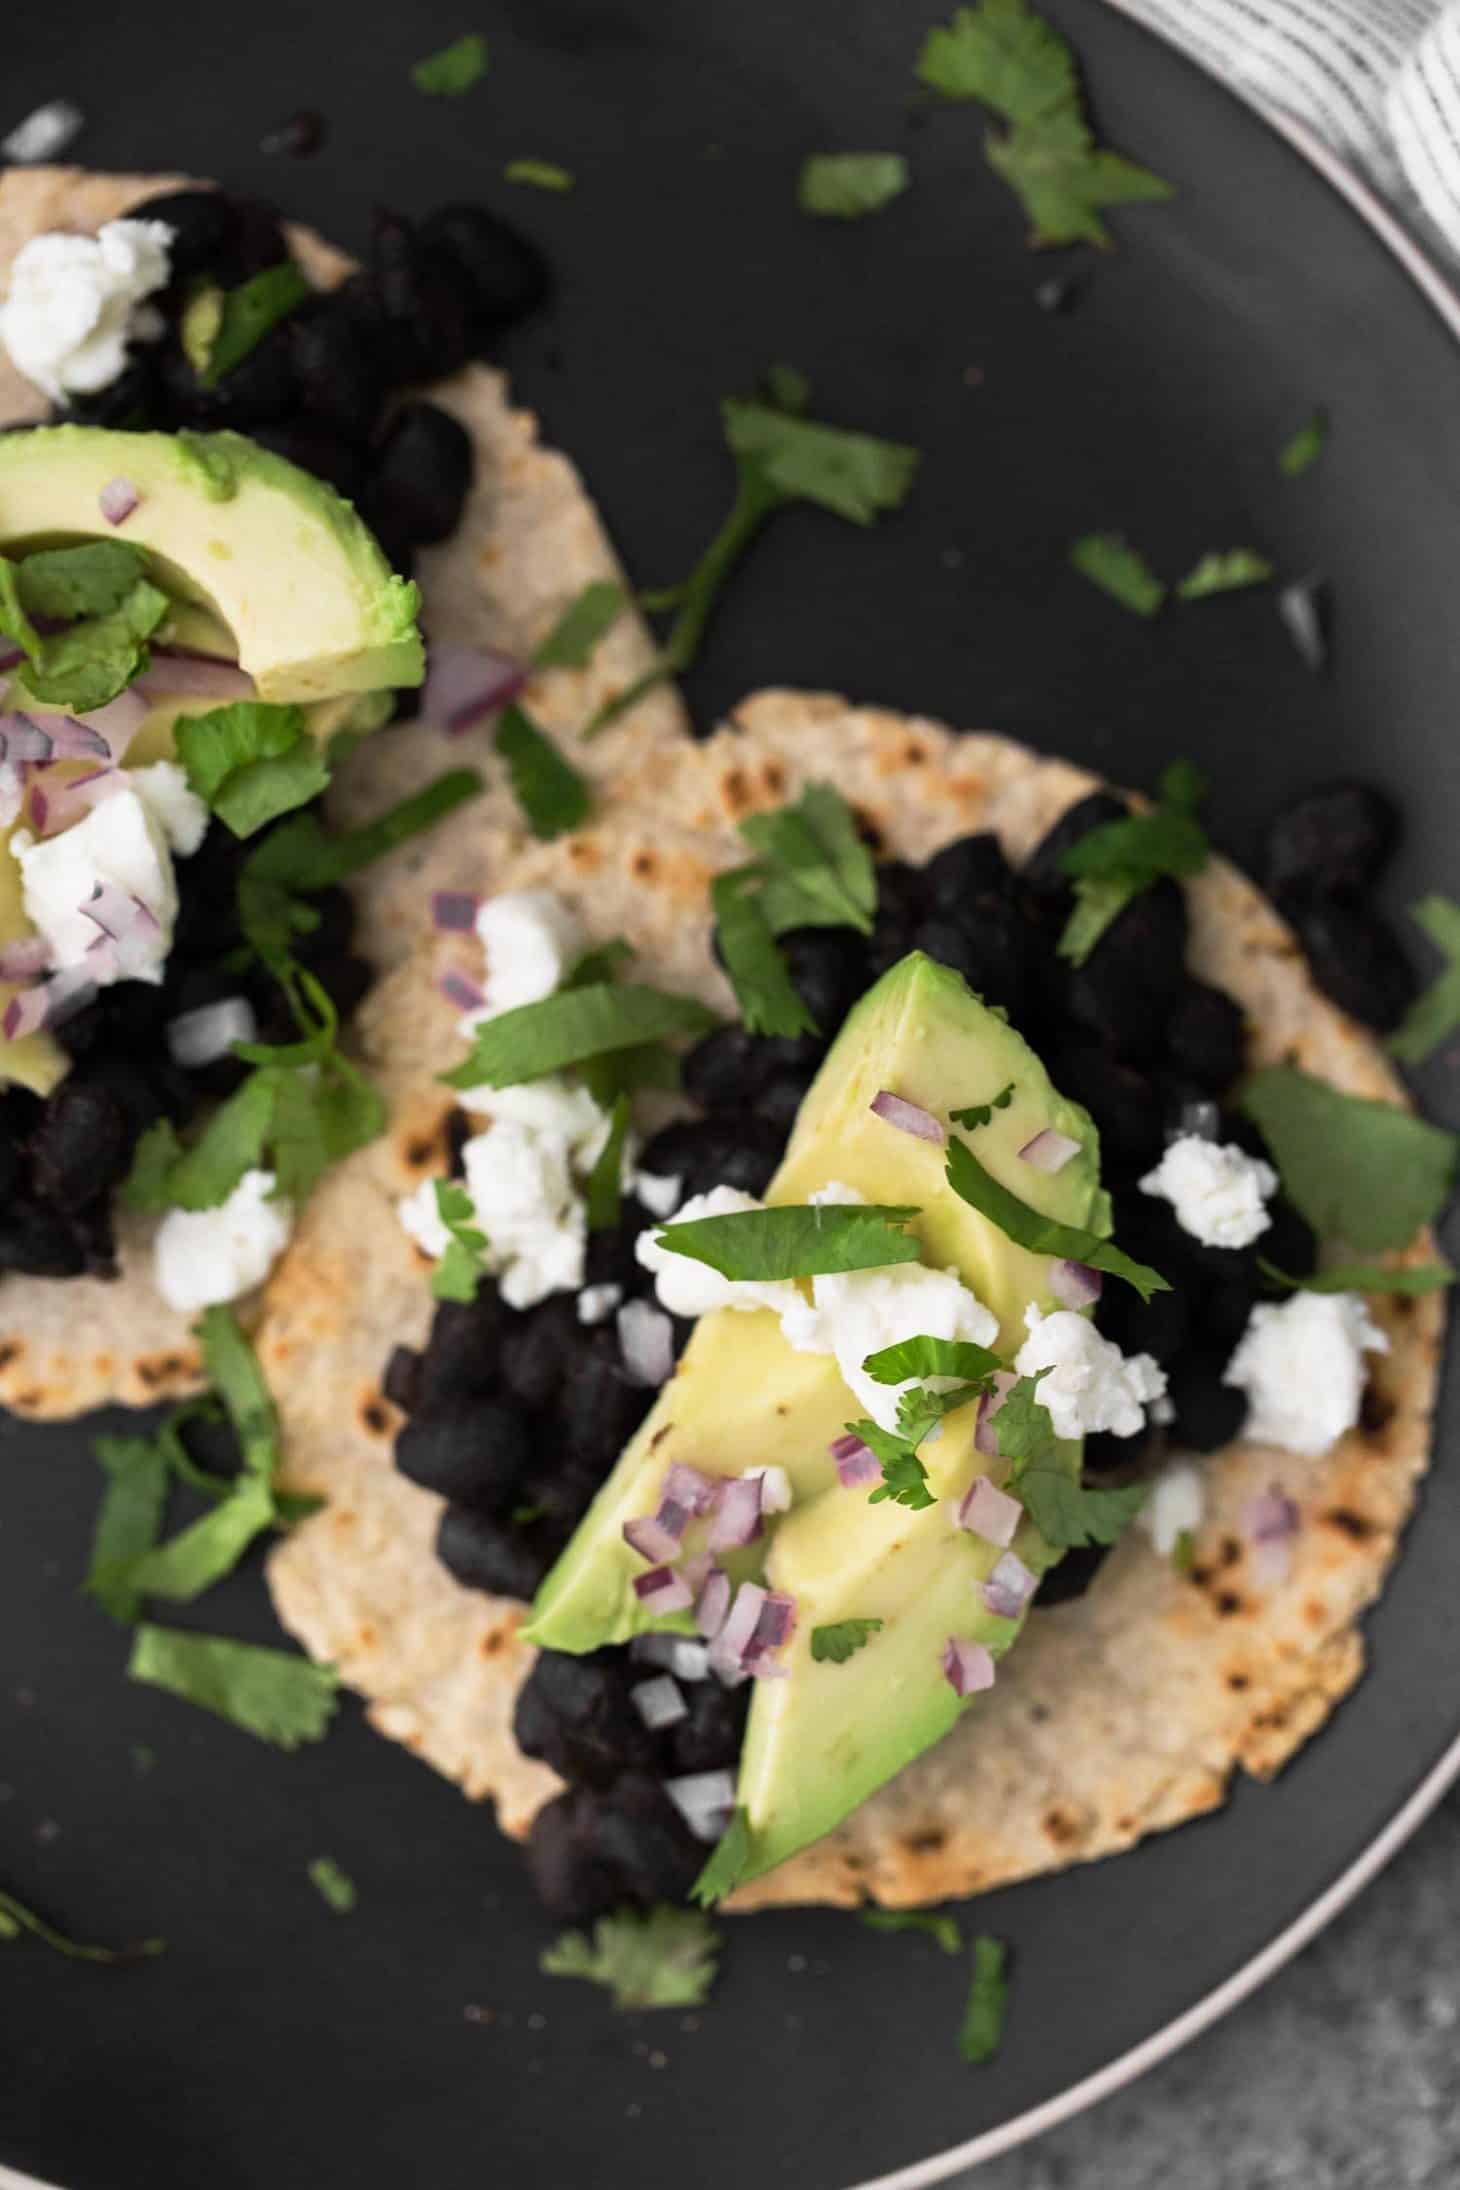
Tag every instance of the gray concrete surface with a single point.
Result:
(1342, 2074)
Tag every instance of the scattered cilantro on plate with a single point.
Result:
(1112, 564)
(1040, 1234)
(548, 788)
(458, 1271)
(988, 1997)
(332, 1884)
(274, 1694)
(16, 1918)
(1224, 570)
(588, 617)
(1433, 1017)
(445, 75)
(847, 185)
(813, 870)
(664, 1958)
(1302, 451)
(540, 175)
(942, 1930)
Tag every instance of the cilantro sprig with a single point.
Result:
(796, 1240)
(980, 1114)
(1109, 561)
(272, 1694)
(574, 1027)
(252, 762)
(849, 185)
(941, 1929)
(982, 2029)
(813, 870)
(108, 610)
(1118, 861)
(454, 69)
(1042, 1235)
(459, 1270)
(1361, 1171)
(1434, 1016)
(16, 1918)
(1067, 1515)
(662, 1958)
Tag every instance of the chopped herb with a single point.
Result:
(833, 1645)
(919, 1411)
(92, 579)
(1433, 1017)
(978, 1114)
(270, 1693)
(14, 623)
(548, 788)
(788, 388)
(846, 185)
(1183, 1551)
(445, 75)
(588, 617)
(1040, 1234)
(234, 1374)
(761, 1246)
(16, 1918)
(1023, 1428)
(928, 1356)
(1224, 571)
(1009, 59)
(1363, 1277)
(942, 1930)
(1120, 570)
(89, 663)
(252, 761)
(817, 870)
(332, 1884)
(1066, 1514)
(1360, 1171)
(769, 1000)
(539, 174)
(459, 1270)
(571, 1027)
(663, 1958)
(246, 315)
(128, 1522)
(988, 2000)
(204, 1552)
(599, 964)
(303, 856)
(1118, 861)
(1305, 448)
(904, 1478)
(722, 1873)
(606, 1180)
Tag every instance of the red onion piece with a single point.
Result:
(988, 1406)
(40, 809)
(737, 1520)
(1008, 1588)
(9, 656)
(688, 1487)
(658, 1703)
(461, 990)
(696, 1570)
(50, 1004)
(646, 1341)
(967, 1666)
(714, 1604)
(680, 1655)
(25, 958)
(1049, 1151)
(647, 1535)
(200, 1037)
(21, 739)
(1270, 1522)
(989, 1512)
(72, 796)
(704, 1800)
(727, 1651)
(117, 500)
(177, 672)
(662, 1590)
(12, 796)
(775, 1625)
(466, 683)
(125, 924)
(1075, 1284)
(775, 1488)
(119, 721)
(908, 1117)
(455, 911)
(857, 1466)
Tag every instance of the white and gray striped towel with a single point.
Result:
(1379, 80)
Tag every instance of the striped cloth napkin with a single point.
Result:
(1379, 80)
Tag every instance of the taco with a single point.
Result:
(502, 538)
(463, 1453)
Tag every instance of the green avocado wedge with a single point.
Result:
(823, 1738)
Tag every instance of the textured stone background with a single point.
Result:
(1342, 2074)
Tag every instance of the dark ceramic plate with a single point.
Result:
(276, 2043)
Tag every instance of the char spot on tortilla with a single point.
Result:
(1238, 1681)
(1231, 1551)
(10, 1352)
(1227, 1602)
(773, 779)
(1060, 1826)
(584, 853)
(375, 1416)
(1376, 1410)
(914, 753)
(155, 1370)
(1350, 1524)
(644, 865)
(928, 1842)
(735, 791)
(492, 1642)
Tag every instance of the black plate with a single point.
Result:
(276, 2043)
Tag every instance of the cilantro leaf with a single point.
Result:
(601, 963)
(1363, 1277)
(164, 1175)
(988, 1999)
(89, 663)
(16, 1918)
(920, 1411)
(456, 1275)
(14, 623)
(201, 1554)
(1099, 902)
(1005, 56)
(128, 1521)
(302, 855)
(606, 1180)
(271, 1693)
(252, 761)
(834, 1644)
(847, 185)
(332, 1884)
(904, 1478)
(769, 1000)
(1064, 180)
(1433, 1017)
(1040, 1234)
(1306, 446)
(942, 1930)
(445, 75)
(247, 313)
(1113, 864)
(233, 1372)
(663, 1958)
(818, 871)
(588, 617)
(548, 788)
(91, 579)
(797, 1240)
(1110, 563)
(788, 388)
(928, 1356)
(571, 1027)
(1067, 1515)
(721, 1875)
(540, 175)
(1224, 570)
(1023, 1428)
(1362, 1171)
(978, 1114)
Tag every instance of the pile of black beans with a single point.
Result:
(1326, 852)
(323, 386)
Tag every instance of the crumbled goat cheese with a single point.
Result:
(181, 814)
(532, 942)
(659, 1194)
(204, 1256)
(596, 1303)
(1217, 1190)
(1301, 1364)
(118, 842)
(551, 1107)
(1174, 1506)
(689, 1288)
(44, 134)
(75, 302)
(420, 1216)
(1091, 1386)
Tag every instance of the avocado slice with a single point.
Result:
(239, 536)
(742, 1397)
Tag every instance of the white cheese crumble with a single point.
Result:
(118, 842)
(1301, 1364)
(689, 1288)
(173, 804)
(1174, 1506)
(596, 1303)
(659, 1194)
(1217, 1190)
(1092, 1386)
(75, 302)
(204, 1256)
(44, 134)
(532, 942)
(420, 1217)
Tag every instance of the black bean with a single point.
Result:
(1158, 1326)
(462, 1354)
(1122, 1102)
(257, 241)
(347, 978)
(492, 1555)
(1209, 1413)
(257, 390)
(639, 1836)
(709, 1739)
(1129, 982)
(1042, 871)
(1073, 1576)
(12, 1162)
(315, 449)
(1290, 1242)
(572, 1885)
(611, 1259)
(420, 476)
(506, 276)
(902, 894)
(538, 1350)
(202, 224)
(96, 1238)
(1340, 836)
(1356, 959)
(83, 1147)
(781, 1098)
(988, 944)
(722, 1070)
(132, 402)
(1220, 1312)
(970, 868)
(574, 1714)
(1109, 1459)
(743, 1151)
(420, 295)
(211, 1443)
(471, 1449)
(1206, 1037)
(335, 912)
(559, 1492)
(37, 1242)
(828, 969)
(400, 1378)
(600, 1408)
(336, 376)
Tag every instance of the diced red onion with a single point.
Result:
(177, 672)
(1049, 1151)
(12, 795)
(737, 1519)
(775, 1625)
(119, 721)
(688, 1487)
(857, 1465)
(50, 1004)
(989, 1512)
(680, 1655)
(662, 1590)
(455, 911)
(647, 1535)
(988, 1406)
(1008, 1588)
(727, 1651)
(646, 1341)
(659, 1703)
(24, 740)
(714, 1604)
(908, 1117)
(466, 683)
(23, 959)
(775, 1488)
(461, 990)
(200, 1037)
(9, 656)
(704, 1800)
(696, 1570)
(1270, 1522)
(72, 796)
(967, 1666)
(117, 500)
(1075, 1284)
(40, 809)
